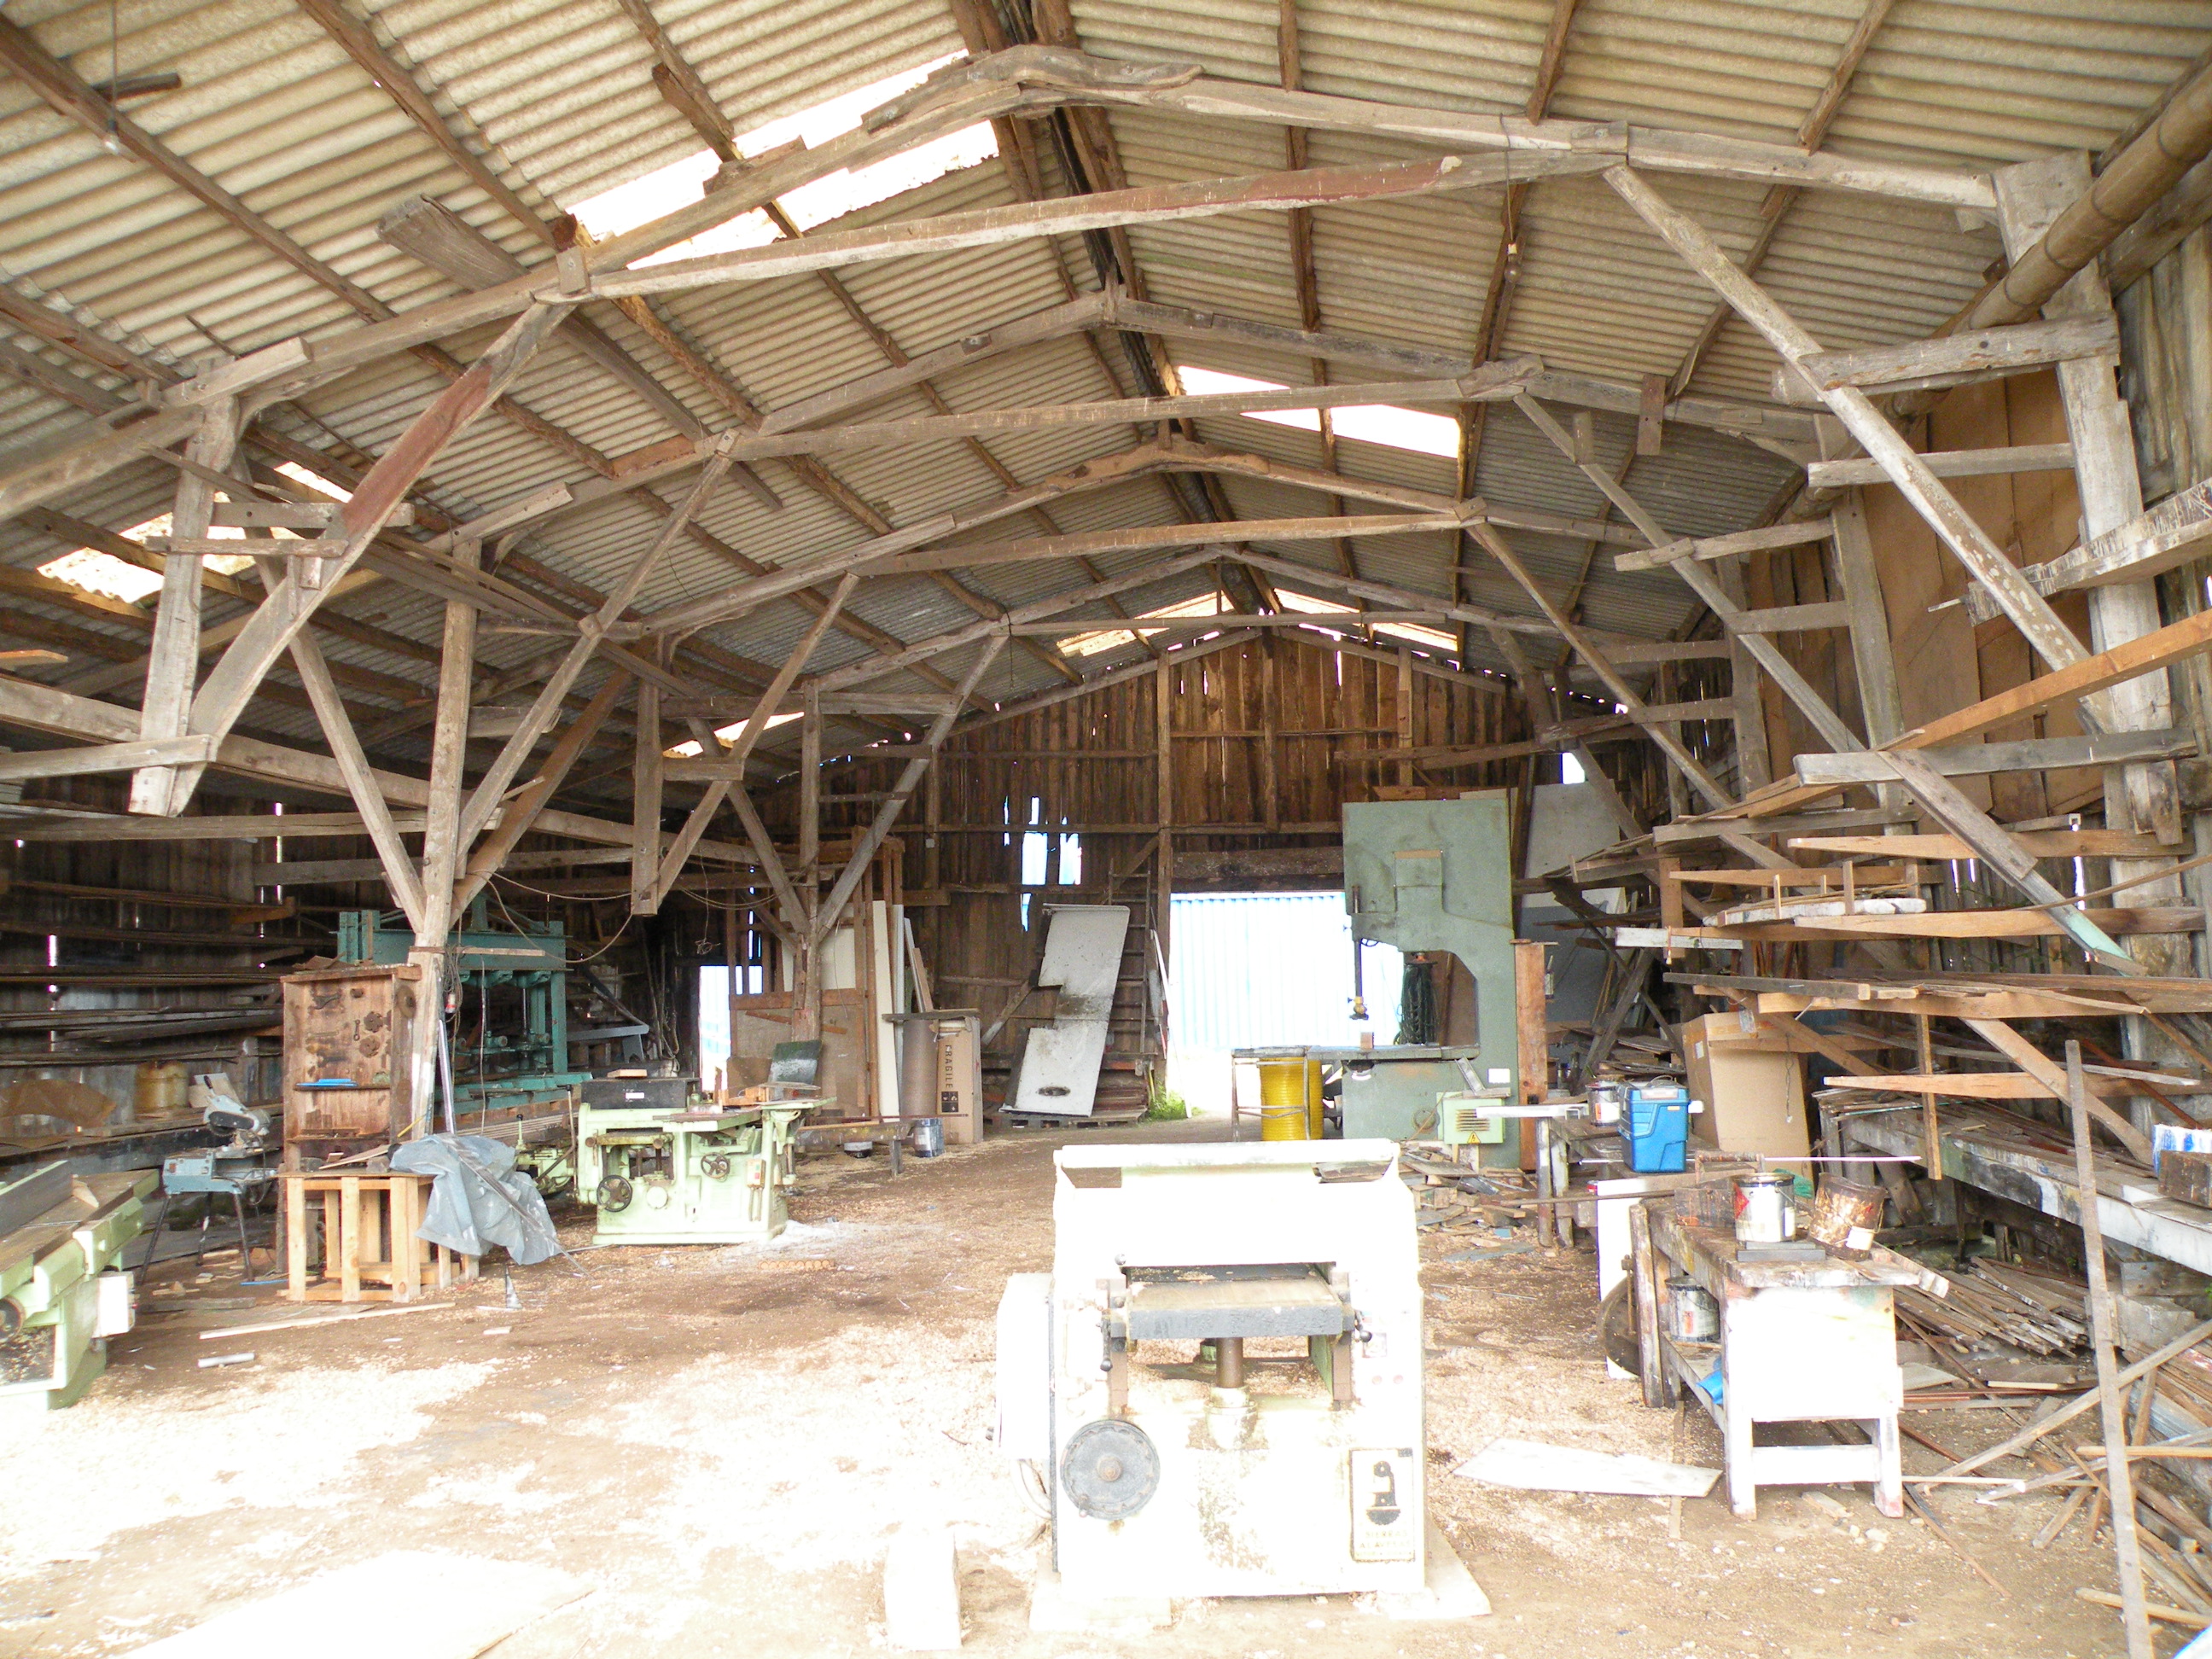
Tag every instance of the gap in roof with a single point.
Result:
(691, 747)
(1375, 423)
(1111, 638)
(679, 184)
(1413, 633)
(93, 571)
(1212, 604)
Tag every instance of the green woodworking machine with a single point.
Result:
(62, 1294)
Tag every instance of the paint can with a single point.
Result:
(1689, 1312)
(1844, 1217)
(1605, 1101)
(928, 1137)
(1766, 1207)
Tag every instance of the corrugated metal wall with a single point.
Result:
(1252, 969)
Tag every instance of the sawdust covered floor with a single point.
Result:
(719, 1441)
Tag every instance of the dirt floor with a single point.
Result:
(718, 1440)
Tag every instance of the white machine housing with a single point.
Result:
(1308, 1480)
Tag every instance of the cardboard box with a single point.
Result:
(1753, 1087)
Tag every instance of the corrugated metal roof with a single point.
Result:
(557, 100)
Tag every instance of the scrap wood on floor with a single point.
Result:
(410, 1603)
(1531, 1466)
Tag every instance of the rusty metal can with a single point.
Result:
(1844, 1216)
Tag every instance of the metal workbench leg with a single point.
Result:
(154, 1237)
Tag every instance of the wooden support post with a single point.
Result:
(645, 805)
(1271, 805)
(1659, 1387)
(1163, 801)
(442, 844)
(806, 983)
(2112, 1400)
(172, 661)
(1754, 765)
(1931, 1131)
(2030, 196)
(932, 810)
(1871, 655)
(2146, 796)
(1405, 713)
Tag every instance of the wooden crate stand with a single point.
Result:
(369, 1250)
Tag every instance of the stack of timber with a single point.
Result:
(2032, 1309)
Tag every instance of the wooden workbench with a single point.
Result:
(1800, 1342)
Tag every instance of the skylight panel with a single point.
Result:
(1110, 639)
(1376, 423)
(681, 183)
(689, 747)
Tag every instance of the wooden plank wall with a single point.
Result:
(1258, 729)
(1944, 661)
(94, 935)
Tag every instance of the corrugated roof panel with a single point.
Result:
(557, 99)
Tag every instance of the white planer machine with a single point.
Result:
(1218, 1387)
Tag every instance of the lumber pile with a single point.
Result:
(1452, 1198)
(2028, 1307)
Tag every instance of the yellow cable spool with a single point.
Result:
(1290, 1100)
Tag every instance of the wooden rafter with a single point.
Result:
(1811, 133)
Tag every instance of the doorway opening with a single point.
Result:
(1263, 971)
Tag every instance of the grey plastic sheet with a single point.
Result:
(480, 1199)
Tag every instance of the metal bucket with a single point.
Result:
(1844, 1217)
(1766, 1207)
(1690, 1312)
(928, 1137)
